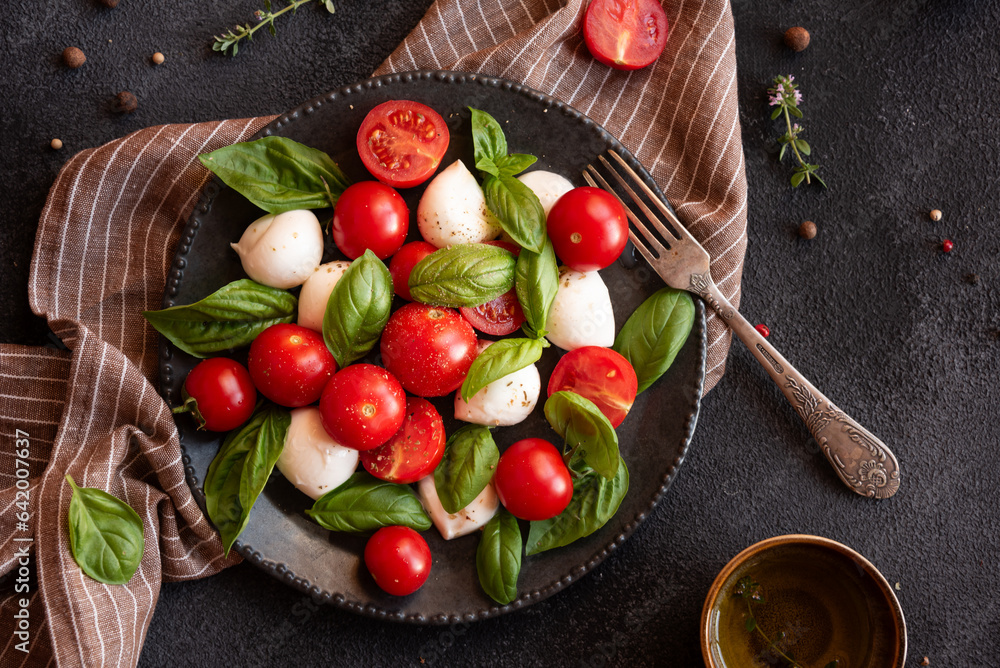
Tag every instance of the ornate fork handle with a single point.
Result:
(861, 460)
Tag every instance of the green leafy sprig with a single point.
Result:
(785, 97)
(229, 42)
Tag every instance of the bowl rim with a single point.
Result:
(800, 539)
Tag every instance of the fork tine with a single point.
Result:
(664, 209)
(641, 248)
(650, 237)
(668, 234)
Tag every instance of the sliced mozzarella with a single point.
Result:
(311, 459)
(548, 186)
(581, 314)
(503, 402)
(453, 210)
(281, 250)
(316, 293)
(465, 521)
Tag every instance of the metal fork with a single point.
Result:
(862, 461)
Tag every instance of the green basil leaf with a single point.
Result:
(498, 557)
(358, 309)
(536, 281)
(470, 457)
(242, 466)
(595, 501)
(463, 275)
(501, 359)
(655, 332)
(230, 317)
(278, 174)
(105, 535)
(517, 208)
(515, 163)
(488, 141)
(365, 503)
(584, 428)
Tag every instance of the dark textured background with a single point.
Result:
(901, 104)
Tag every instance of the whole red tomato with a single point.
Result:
(290, 364)
(428, 348)
(402, 264)
(362, 406)
(532, 481)
(219, 393)
(401, 142)
(588, 227)
(598, 374)
(370, 215)
(398, 559)
(414, 450)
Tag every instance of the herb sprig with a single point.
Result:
(229, 42)
(785, 96)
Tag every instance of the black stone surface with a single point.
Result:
(900, 106)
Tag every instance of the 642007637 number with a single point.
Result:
(22, 621)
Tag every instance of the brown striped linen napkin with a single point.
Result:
(105, 243)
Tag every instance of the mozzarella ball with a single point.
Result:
(281, 250)
(453, 210)
(311, 459)
(581, 313)
(548, 186)
(472, 517)
(316, 293)
(503, 402)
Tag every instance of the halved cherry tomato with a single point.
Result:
(402, 264)
(370, 215)
(399, 560)
(625, 34)
(588, 228)
(402, 142)
(414, 450)
(362, 406)
(497, 317)
(428, 348)
(598, 374)
(532, 481)
(290, 364)
(219, 393)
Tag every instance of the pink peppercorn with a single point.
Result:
(763, 330)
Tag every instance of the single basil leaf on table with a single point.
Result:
(595, 501)
(242, 466)
(358, 309)
(470, 458)
(501, 359)
(230, 317)
(105, 535)
(365, 503)
(585, 428)
(517, 208)
(498, 557)
(463, 275)
(488, 142)
(278, 174)
(655, 333)
(536, 281)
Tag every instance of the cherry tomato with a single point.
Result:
(398, 559)
(370, 215)
(625, 35)
(219, 393)
(402, 142)
(588, 227)
(362, 406)
(598, 374)
(428, 348)
(498, 317)
(532, 481)
(414, 450)
(290, 364)
(403, 262)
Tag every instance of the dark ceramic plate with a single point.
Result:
(279, 538)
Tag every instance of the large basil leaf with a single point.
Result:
(586, 429)
(536, 281)
(498, 557)
(595, 501)
(365, 503)
(517, 208)
(239, 471)
(358, 309)
(501, 359)
(655, 332)
(488, 142)
(230, 317)
(105, 535)
(463, 275)
(278, 174)
(470, 457)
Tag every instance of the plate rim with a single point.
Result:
(213, 186)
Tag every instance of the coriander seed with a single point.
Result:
(126, 102)
(158, 58)
(73, 57)
(807, 230)
(936, 215)
(56, 144)
(797, 38)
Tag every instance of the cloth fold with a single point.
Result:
(102, 255)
